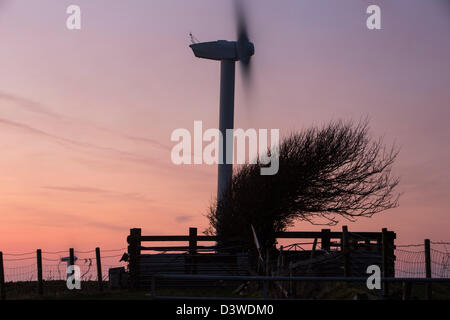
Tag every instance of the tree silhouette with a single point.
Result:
(324, 173)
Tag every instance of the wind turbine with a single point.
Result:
(228, 53)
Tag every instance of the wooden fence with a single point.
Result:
(190, 259)
(345, 241)
(196, 258)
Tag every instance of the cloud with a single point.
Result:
(38, 108)
(29, 105)
(109, 152)
(124, 155)
(101, 192)
(48, 218)
(78, 189)
(182, 219)
(149, 141)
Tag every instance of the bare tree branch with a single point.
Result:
(324, 173)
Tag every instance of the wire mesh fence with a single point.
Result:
(22, 267)
(409, 262)
(409, 258)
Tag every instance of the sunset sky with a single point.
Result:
(86, 116)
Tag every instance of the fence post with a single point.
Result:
(99, 268)
(326, 239)
(428, 268)
(346, 251)
(385, 260)
(2, 279)
(39, 272)
(193, 249)
(134, 250)
(192, 240)
(313, 251)
(71, 259)
(71, 256)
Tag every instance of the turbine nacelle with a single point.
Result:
(223, 50)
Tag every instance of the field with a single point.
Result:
(57, 290)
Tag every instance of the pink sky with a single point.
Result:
(86, 116)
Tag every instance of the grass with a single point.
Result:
(57, 290)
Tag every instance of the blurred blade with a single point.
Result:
(241, 22)
(246, 71)
(244, 47)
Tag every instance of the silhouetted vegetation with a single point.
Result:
(324, 173)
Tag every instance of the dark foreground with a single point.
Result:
(57, 290)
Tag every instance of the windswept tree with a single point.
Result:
(324, 173)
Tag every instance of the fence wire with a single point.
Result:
(22, 267)
(410, 260)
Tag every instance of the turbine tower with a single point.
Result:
(227, 52)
